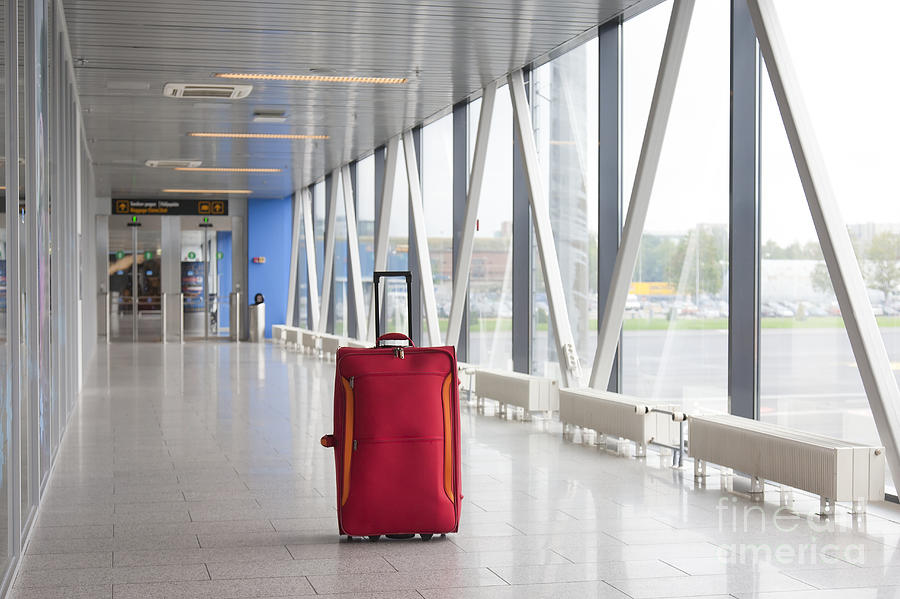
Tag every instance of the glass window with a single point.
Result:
(674, 347)
(490, 277)
(5, 400)
(564, 116)
(808, 375)
(437, 199)
(365, 222)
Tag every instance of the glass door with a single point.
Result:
(206, 277)
(121, 282)
(148, 299)
(135, 275)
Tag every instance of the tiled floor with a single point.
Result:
(195, 471)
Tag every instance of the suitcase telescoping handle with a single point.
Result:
(392, 274)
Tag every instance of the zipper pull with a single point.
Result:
(351, 381)
(354, 444)
(398, 352)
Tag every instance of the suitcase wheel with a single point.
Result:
(427, 537)
(374, 538)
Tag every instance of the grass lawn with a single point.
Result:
(687, 324)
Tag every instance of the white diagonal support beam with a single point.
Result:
(383, 230)
(328, 270)
(312, 283)
(467, 242)
(359, 299)
(295, 257)
(651, 148)
(420, 233)
(849, 287)
(569, 366)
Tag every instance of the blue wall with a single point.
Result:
(269, 235)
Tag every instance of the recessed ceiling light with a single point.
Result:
(259, 135)
(232, 191)
(316, 78)
(172, 163)
(222, 169)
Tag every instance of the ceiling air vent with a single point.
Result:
(173, 163)
(206, 90)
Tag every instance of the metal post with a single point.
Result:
(383, 224)
(355, 317)
(463, 264)
(13, 280)
(420, 234)
(744, 219)
(609, 168)
(326, 308)
(569, 365)
(295, 257)
(203, 257)
(522, 286)
(651, 148)
(134, 286)
(412, 260)
(312, 275)
(460, 176)
(163, 307)
(353, 253)
(840, 258)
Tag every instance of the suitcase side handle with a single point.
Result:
(392, 274)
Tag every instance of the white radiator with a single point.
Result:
(292, 337)
(835, 470)
(532, 393)
(309, 341)
(619, 416)
(329, 344)
(278, 333)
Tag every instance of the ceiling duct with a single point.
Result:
(206, 90)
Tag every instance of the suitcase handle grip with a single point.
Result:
(389, 274)
(394, 337)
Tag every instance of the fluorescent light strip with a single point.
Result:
(214, 169)
(317, 78)
(210, 191)
(259, 135)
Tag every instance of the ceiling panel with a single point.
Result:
(126, 51)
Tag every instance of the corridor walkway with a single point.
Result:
(195, 471)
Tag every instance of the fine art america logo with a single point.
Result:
(783, 537)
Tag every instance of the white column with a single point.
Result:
(421, 239)
(295, 256)
(569, 366)
(328, 271)
(312, 283)
(353, 254)
(383, 226)
(862, 328)
(660, 106)
(467, 243)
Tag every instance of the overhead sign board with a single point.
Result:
(175, 207)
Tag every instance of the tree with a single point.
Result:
(682, 266)
(819, 278)
(882, 265)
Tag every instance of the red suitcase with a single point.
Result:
(396, 436)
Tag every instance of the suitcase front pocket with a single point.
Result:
(396, 486)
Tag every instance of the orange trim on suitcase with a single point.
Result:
(448, 437)
(348, 439)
